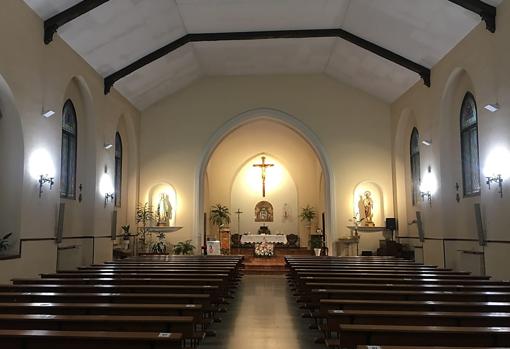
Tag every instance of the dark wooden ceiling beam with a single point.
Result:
(485, 11)
(52, 24)
(423, 71)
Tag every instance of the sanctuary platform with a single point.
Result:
(268, 265)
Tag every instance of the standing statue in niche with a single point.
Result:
(164, 211)
(366, 205)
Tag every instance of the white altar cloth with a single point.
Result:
(259, 238)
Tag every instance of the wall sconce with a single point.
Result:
(107, 197)
(48, 113)
(497, 168)
(108, 146)
(428, 186)
(106, 188)
(492, 107)
(497, 179)
(427, 142)
(41, 169)
(45, 179)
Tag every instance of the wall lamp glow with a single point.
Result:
(106, 188)
(497, 167)
(427, 142)
(48, 113)
(428, 186)
(493, 107)
(41, 169)
(108, 146)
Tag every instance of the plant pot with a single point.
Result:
(317, 251)
(125, 244)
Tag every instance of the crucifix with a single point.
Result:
(263, 167)
(238, 213)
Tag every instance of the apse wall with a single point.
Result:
(352, 127)
(40, 78)
(478, 64)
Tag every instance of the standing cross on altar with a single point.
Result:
(263, 167)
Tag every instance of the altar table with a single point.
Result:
(260, 238)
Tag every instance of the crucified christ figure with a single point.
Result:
(263, 167)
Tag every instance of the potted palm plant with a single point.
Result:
(220, 216)
(184, 248)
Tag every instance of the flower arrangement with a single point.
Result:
(264, 249)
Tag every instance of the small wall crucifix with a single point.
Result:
(263, 167)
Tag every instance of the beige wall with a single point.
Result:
(478, 64)
(40, 77)
(351, 126)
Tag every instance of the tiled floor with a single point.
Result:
(264, 315)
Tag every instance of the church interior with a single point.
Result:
(236, 173)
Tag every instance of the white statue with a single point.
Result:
(165, 209)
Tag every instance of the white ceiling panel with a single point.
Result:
(121, 31)
(46, 9)
(160, 78)
(366, 71)
(279, 56)
(201, 16)
(423, 31)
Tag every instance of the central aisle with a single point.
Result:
(263, 315)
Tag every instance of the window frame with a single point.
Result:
(119, 153)
(415, 172)
(74, 152)
(465, 132)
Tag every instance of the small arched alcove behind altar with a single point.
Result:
(281, 193)
(155, 195)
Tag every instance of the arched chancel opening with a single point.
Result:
(281, 118)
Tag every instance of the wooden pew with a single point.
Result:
(404, 281)
(176, 324)
(36, 339)
(353, 335)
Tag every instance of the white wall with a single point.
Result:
(175, 133)
(41, 77)
(478, 64)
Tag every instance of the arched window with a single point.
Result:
(68, 152)
(469, 146)
(415, 164)
(118, 169)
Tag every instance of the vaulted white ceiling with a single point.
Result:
(119, 32)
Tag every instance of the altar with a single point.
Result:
(260, 238)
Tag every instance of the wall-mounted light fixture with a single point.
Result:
(48, 113)
(497, 167)
(428, 186)
(106, 188)
(43, 179)
(41, 169)
(427, 142)
(108, 146)
(493, 107)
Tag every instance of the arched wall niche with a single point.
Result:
(458, 83)
(377, 197)
(280, 117)
(406, 212)
(282, 193)
(80, 215)
(11, 180)
(154, 196)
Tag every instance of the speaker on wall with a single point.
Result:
(114, 225)
(419, 223)
(59, 232)
(482, 238)
(391, 224)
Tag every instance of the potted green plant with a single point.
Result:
(125, 236)
(144, 216)
(184, 248)
(220, 216)
(4, 242)
(307, 215)
(160, 246)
